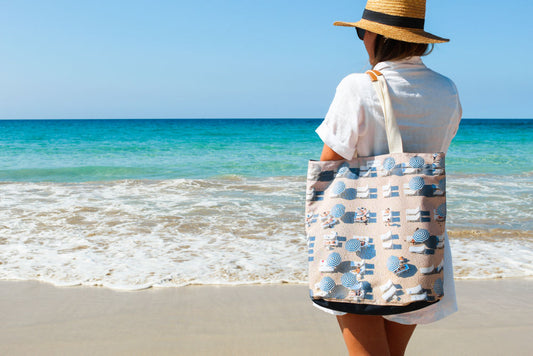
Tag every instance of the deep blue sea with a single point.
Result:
(137, 203)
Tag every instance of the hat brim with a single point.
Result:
(397, 33)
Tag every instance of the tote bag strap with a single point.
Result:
(394, 138)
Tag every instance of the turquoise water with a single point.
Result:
(130, 204)
(95, 150)
(499, 147)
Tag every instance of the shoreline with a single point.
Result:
(140, 288)
(495, 317)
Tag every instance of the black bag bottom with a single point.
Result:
(368, 309)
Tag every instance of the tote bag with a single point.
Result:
(376, 227)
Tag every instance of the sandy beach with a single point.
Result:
(495, 318)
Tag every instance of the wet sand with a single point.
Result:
(495, 318)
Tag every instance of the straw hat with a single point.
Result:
(401, 20)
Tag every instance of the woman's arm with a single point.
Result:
(329, 155)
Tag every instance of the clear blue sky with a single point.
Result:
(235, 58)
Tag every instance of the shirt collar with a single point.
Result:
(402, 63)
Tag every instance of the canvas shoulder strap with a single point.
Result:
(394, 137)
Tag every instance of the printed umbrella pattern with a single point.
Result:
(416, 183)
(438, 160)
(326, 284)
(357, 285)
(351, 175)
(353, 245)
(438, 287)
(338, 188)
(416, 162)
(349, 280)
(338, 210)
(442, 185)
(389, 163)
(421, 235)
(441, 210)
(349, 194)
(334, 259)
(343, 171)
(393, 263)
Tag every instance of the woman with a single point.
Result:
(428, 111)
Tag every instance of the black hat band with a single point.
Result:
(392, 20)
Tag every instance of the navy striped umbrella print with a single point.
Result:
(421, 235)
(438, 287)
(326, 284)
(334, 259)
(441, 210)
(353, 245)
(338, 188)
(348, 280)
(416, 183)
(393, 263)
(416, 162)
(338, 210)
(389, 163)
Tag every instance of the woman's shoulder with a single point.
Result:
(356, 79)
(443, 80)
(355, 83)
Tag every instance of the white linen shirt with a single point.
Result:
(428, 111)
(426, 105)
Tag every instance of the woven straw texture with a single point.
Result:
(404, 8)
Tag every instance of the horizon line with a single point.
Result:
(230, 118)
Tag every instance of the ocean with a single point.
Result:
(132, 204)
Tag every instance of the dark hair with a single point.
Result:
(387, 49)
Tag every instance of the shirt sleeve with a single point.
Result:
(458, 114)
(340, 127)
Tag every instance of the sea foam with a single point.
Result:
(135, 234)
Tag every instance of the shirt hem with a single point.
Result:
(333, 142)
